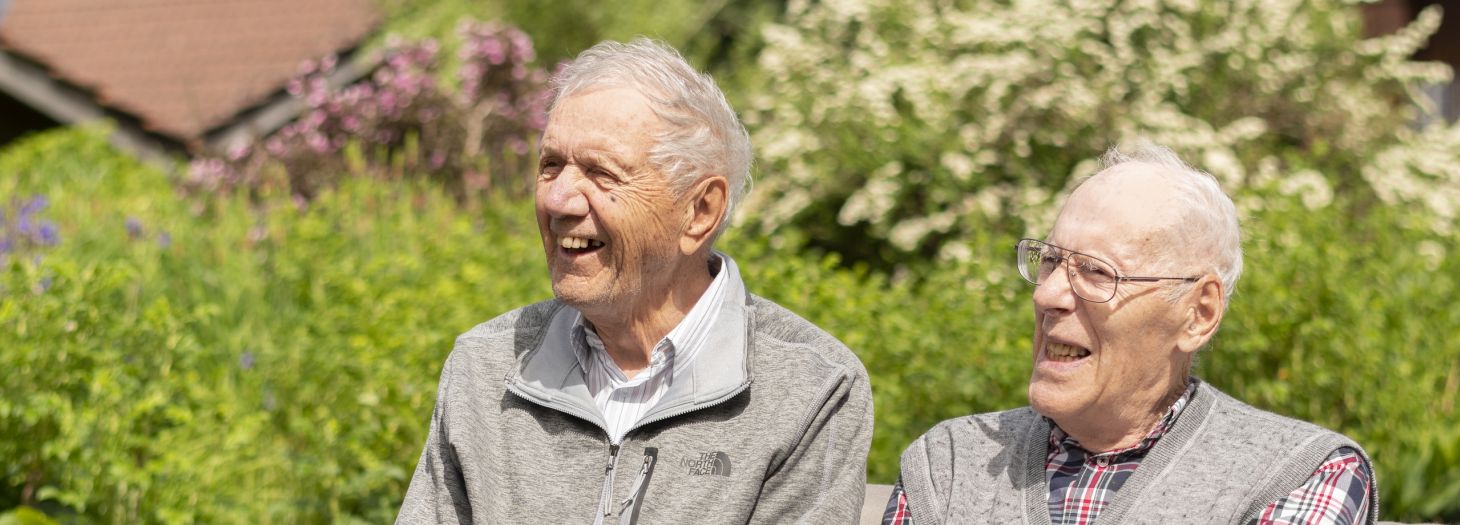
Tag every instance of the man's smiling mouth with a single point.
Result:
(579, 245)
(1064, 353)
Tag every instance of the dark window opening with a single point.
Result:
(18, 119)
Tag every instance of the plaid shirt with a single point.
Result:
(1082, 484)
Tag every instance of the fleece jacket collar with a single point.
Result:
(551, 375)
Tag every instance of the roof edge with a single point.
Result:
(30, 83)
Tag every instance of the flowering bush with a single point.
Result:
(896, 131)
(22, 230)
(402, 120)
(1422, 168)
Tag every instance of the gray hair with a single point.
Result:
(1207, 232)
(704, 135)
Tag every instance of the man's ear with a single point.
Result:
(707, 201)
(1204, 308)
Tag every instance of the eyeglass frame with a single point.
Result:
(1064, 259)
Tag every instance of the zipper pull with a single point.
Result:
(638, 483)
(629, 507)
(606, 507)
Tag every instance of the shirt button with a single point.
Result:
(1102, 462)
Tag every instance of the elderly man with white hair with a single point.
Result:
(654, 387)
(1130, 284)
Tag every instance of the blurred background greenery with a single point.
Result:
(183, 349)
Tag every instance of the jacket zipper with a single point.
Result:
(629, 508)
(606, 495)
(677, 413)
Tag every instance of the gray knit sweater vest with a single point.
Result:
(1222, 462)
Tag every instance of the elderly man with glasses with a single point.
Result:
(1130, 284)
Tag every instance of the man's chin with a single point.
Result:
(589, 301)
(571, 295)
(1053, 402)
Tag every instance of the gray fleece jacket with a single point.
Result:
(1222, 462)
(772, 425)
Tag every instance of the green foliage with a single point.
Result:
(241, 365)
(1345, 319)
(276, 364)
(25, 516)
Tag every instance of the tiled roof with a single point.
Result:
(181, 66)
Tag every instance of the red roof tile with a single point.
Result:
(181, 66)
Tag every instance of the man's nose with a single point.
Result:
(1056, 291)
(563, 195)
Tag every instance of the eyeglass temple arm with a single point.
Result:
(1154, 279)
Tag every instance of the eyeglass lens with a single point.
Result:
(1092, 279)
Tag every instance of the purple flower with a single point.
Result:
(35, 205)
(134, 228)
(164, 239)
(47, 234)
(246, 361)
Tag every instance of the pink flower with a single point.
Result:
(237, 153)
(318, 143)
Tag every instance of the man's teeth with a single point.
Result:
(578, 243)
(1064, 352)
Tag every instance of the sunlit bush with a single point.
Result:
(893, 131)
(261, 363)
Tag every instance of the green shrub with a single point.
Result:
(277, 364)
(241, 365)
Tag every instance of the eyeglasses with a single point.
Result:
(1093, 279)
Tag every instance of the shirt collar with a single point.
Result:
(548, 372)
(1058, 437)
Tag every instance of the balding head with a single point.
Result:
(1190, 223)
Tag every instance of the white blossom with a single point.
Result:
(974, 102)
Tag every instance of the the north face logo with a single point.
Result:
(717, 463)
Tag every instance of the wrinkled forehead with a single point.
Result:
(1122, 213)
(614, 115)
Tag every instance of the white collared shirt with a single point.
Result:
(624, 401)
